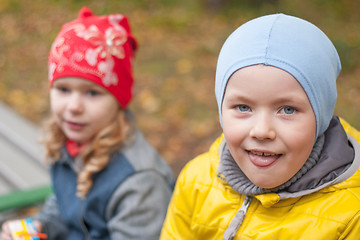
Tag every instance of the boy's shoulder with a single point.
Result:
(350, 130)
(203, 168)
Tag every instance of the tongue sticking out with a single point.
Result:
(263, 159)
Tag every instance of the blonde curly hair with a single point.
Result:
(96, 155)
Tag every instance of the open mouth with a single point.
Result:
(263, 153)
(263, 159)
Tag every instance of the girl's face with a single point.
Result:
(268, 123)
(81, 108)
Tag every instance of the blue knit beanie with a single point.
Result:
(291, 44)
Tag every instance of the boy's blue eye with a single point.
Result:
(288, 110)
(243, 108)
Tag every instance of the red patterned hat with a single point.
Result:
(97, 48)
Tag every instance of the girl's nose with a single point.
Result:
(263, 128)
(75, 104)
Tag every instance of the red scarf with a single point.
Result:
(74, 148)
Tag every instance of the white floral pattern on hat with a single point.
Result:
(105, 45)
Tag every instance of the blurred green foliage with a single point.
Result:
(179, 42)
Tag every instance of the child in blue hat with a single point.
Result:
(285, 166)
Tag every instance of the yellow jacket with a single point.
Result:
(203, 205)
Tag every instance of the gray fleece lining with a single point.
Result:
(345, 175)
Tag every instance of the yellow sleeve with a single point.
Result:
(352, 230)
(188, 195)
(177, 222)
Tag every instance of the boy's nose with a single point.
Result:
(75, 104)
(263, 128)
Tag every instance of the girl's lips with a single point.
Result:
(262, 159)
(75, 126)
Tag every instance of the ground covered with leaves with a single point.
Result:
(179, 41)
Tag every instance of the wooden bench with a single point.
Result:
(24, 179)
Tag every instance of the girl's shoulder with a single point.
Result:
(142, 156)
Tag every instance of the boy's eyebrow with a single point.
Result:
(237, 97)
(289, 100)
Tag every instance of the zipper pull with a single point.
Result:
(236, 222)
(246, 204)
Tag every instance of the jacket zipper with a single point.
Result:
(236, 222)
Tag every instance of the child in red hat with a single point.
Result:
(108, 181)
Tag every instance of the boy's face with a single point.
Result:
(81, 108)
(268, 123)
